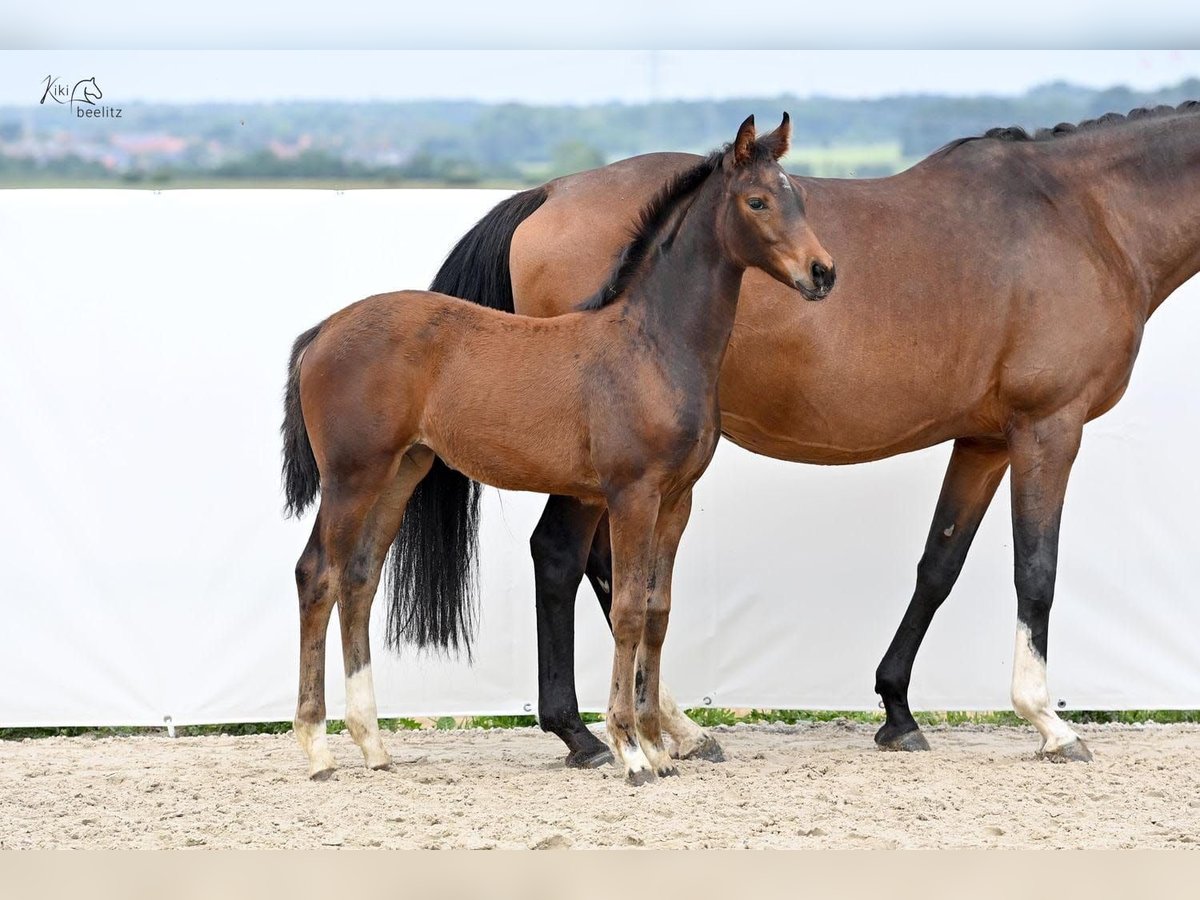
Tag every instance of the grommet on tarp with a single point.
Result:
(1062, 704)
(528, 707)
(708, 701)
(170, 723)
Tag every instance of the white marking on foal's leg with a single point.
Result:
(628, 756)
(362, 718)
(1030, 696)
(311, 736)
(636, 763)
(688, 736)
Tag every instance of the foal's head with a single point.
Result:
(763, 224)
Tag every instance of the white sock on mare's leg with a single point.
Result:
(1031, 697)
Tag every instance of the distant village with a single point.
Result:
(469, 142)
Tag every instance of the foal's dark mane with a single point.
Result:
(647, 227)
(1017, 134)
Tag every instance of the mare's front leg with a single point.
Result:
(691, 741)
(975, 471)
(672, 520)
(633, 515)
(1042, 453)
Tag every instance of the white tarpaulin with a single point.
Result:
(148, 571)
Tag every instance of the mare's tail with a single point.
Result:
(431, 568)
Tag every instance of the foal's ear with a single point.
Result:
(778, 141)
(743, 144)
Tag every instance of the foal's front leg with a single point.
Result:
(672, 519)
(632, 517)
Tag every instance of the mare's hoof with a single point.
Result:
(1076, 751)
(381, 767)
(708, 748)
(909, 742)
(668, 772)
(322, 775)
(637, 779)
(589, 759)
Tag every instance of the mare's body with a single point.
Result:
(995, 295)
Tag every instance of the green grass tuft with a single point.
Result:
(489, 722)
(708, 716)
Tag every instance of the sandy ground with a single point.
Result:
(801, 786)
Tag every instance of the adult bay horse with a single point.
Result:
(994, 295)
(614, 405)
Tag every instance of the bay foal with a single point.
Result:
(615, 405)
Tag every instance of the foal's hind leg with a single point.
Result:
(316, 603)
(672, 520)
(354, 605)
(321, 580)
(336, 563)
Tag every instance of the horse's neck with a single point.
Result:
(688, 295)
(1146, 179)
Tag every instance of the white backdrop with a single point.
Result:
(148, 572)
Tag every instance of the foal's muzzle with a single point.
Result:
(823, 278)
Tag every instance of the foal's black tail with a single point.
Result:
(431, 568)
(301, 480)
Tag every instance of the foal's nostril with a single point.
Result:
(822, 277)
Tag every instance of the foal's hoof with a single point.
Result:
(909, 742)
(589, 759)
(1076, 751)
(637, 779)
(707, 748)
(668, 772)
(381, 767)
(322, 774)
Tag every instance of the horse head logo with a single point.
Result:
(86, 91)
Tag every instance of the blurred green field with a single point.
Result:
(847, 160)
(834, 161)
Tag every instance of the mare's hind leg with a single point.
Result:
(672, 520)
(633, 515)
(354, 606)
(691, 741)
(559, 547)
(1042, 454)
(976, 469)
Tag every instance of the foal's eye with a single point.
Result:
(756, 203)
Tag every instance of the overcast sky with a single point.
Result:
(587, 76)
